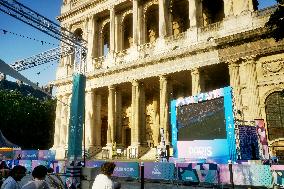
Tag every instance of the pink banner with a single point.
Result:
(261, 132)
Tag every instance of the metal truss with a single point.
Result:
(42, 58)
(34, 19)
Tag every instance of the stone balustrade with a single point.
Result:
(190, 40)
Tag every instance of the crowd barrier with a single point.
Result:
(209, 173)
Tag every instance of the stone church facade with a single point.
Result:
(144, 53)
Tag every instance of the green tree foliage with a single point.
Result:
(276, 22)
(26, 120)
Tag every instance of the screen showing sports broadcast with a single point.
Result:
(203, 127)
(201, 121)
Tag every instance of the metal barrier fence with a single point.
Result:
(248, 173)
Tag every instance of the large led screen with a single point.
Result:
(201, 121)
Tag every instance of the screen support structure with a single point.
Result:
(229, 118)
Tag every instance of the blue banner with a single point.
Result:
(26, 154)
(174, 128)
(126, 169)
(197, 172)
(48, 155)
(159, 170)
(230, 126)
(27, 164)
(76, 117)
(94, 163)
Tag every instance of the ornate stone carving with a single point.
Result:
(149, 4)
(104, 23)
(126, 13)
(273, 66)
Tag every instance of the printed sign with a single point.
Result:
(46, 155)
(251, 175)
(261, 132)
(26, 154)
(126, 169)
(160, 171)
(27, 164)
(59, 166)
(94, 163)
(197, 172)
(36, 163)
(204, 149)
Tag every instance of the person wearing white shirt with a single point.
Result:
(17, 173)
(103, 180)
(39, 173)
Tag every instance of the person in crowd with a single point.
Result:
(16, 174)
(103, 180)
(39, 173)
(54, 180)
(3, 165)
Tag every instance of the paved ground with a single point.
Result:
(137, 185)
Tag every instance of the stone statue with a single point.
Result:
(152, 36)
(206, 20)
(130, 40)
(176, 28)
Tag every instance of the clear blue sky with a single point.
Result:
(13, 48)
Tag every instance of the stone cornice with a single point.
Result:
(240, 38)
(163, 57)
(89, 8)
(253, 43)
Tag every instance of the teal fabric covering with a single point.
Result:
(76, 117)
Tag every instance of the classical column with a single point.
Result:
(156, 120)
(100, 43)
(92, 37)
(228, 7)
(164, 107)
(195, 13)
(118, 121)
(112, 30)
(195, 77)
(69, 98)
(89, 119)
(111, 116)
(135, 22)
(142, 115)
(98, 120)
(192, 13)
(118, 34)
(135, 139)
(247, 5)
(64, 124)
(163, 17)
(142, 28)
(235, 83)
(57, 122)
(252, 88)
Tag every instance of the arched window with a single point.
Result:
(212, 11)
(152, 23)
(180, 19)
(127, 32)
(274, 107)
(106, 39)
(78, 33)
